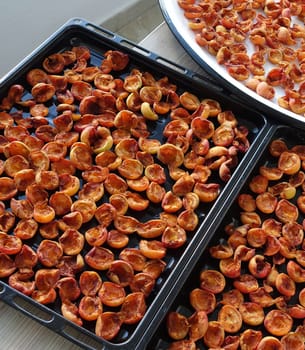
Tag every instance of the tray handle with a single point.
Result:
(47, 318)
(84, 340)
(12, 298)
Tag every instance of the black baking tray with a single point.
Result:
(160, 339)
(78, 32)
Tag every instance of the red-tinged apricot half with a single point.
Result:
(214, 335)
(292, 340)
(90, 307)
(269, 342)
(289, 163)
(108, 325)
(170, 155)
(7, 265)
(99, 258)
(252, 313)
(133, 308)
(202, 299)
(230, 318)
(8, 188)
(278, 323)
(230, 267)
(212, 281)
(174, 236)
(152, 249)
(90, 282)
(120, 272)
(49, 252)
(198, 325)
(112, 294)
(177, 325)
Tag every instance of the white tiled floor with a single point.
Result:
(142, 19)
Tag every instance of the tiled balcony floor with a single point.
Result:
(137, 21)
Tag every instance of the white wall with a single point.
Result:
(26, 24)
